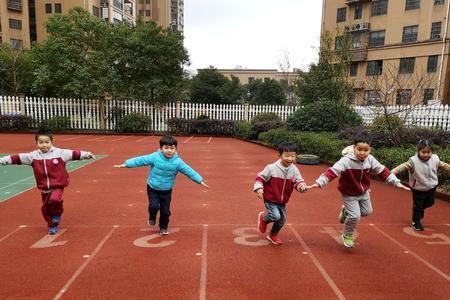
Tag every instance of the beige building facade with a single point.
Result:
(246, 76)
(400, 48)
(22, 21)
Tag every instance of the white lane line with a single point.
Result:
(426, 263)
(316, 262)
(83, 266)
(69, 139)
(188, 140)
(209, 140)
(12, 232)
(143, 139)
(204, 263)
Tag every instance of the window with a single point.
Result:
(436, 30)
(16, 44)
(58, 8)
(428, 94)
(354, 69)
(95, 11)
(407, 65)
(439, 2)
(432, 63)
(371, 97)
(141, 1)
(412, 4)
(376, 38)
(15, 5)
(379, 7)
(410, 34)
(374, 67)
(341, 12)
(141, 12)
(118, 4)
(251, 79)
(15, 24)
(338, 42)
(358, 11)
(148, 13)
(48, 8)
(266, 79)
(403, 97)
(357, 40)
(147, 1)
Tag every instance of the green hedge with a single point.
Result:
(56, 124)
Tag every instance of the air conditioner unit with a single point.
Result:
(358, 27)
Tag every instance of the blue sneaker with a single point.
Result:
(56, 220)
(52, 230)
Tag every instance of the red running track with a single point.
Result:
(214, 251)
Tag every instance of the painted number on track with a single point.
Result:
(249, 236)
(444, 239)
(145, 241)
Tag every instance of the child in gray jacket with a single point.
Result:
(423, 179)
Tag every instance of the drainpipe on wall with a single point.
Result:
(443, 52)
(322, 25)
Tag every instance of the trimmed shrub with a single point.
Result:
(242, 130)
(323, 116)
(381, 124)
(207, 126)
(16, 122)
(136, 122)
(58, 123)
(263, 126)
(265, 117)
(203, 117)
(275, 137)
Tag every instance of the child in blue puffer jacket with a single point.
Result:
(165, 164)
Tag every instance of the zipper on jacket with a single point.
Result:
(284, 185)
(360, 180)
(46, 173)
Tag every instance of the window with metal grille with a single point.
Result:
(403, 97)
(148, 13)
(354, 69)
(379, 7)
(428, 94)
(436, 30)
(358, 11)
(407, 65)
(341, 14)
(15, 5)
(95, 11)
(376, 38)
(432, 63)
(374, 67)
(439, 2)
(147, 1)
(371, 97)
(15, 24)
(15, 43)
(58, 8)
(410, 34)
(48, 8)
(141, 12)
(412, 4)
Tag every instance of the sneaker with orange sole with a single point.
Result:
(262, 226)
(274, 239)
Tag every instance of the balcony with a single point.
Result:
(15, 5)
(358, 84)
(351, 2)
(359, 54)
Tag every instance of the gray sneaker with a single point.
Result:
(151, 222)
(342, 215)
(163, 232)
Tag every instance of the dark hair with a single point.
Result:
(424, 144)
(362, 138)
(168, 140)
(287, 147)
(43, 133)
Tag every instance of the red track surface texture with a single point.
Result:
(105, 250)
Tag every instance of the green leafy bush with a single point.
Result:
(242, 130)
(203, 117)
(15, 122)
(207, 126)
(323, 116)
(387, 123)
(116, 115)
(275, 137)
(392, 157)
(58, 123)
(263, 126)
(136, 122)
(264, 117)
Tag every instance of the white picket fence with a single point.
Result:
(88, 114)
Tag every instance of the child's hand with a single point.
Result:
(204, 184)
(119, 166)
(259, 193)
(302, 187)
(314, 186)
(399, 185)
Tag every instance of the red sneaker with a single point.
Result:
(261, 225)
(274, 239)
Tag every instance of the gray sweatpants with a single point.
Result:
(356, 207)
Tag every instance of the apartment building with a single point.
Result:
(166, 13)
(22, 21)
(246, 76)
(404, 41)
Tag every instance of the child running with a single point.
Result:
(49, 167)
(354, 184)
(274, 185)
(165, 165)
(423, 179)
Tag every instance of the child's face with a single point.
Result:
(168, 151)
(425, 153)
(287, 158)
(44, 143)
(362, 151)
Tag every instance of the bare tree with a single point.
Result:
(289, 78)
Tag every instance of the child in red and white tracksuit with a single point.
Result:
(274, 185)
(49, 167)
